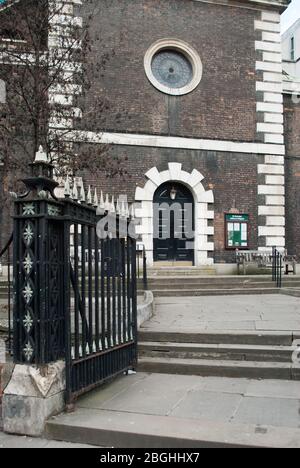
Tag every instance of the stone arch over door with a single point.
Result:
(203, 232)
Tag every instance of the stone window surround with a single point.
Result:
(182, 47)
(193, 181)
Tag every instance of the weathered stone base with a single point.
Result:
(146, 309)
(6, 370)
(31, 397)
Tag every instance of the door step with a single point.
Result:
(231, 337)
(216, 351)
(213, 292)
(196, 285)
(181, 271)
(220, 368)
(132, 430)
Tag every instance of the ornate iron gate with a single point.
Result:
(75, 294)
(101, 304)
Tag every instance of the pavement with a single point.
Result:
(157, 409)
(219, 399)
(10, 441)
(181, 409)
(162, 409)
(270, 312)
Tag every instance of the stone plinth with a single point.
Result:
(32, 396)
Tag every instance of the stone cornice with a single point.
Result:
(291, 85)
(279, 5)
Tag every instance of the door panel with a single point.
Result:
(173, 223)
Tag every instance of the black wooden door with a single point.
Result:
(173, 223)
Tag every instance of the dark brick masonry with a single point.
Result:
(222, 107)
(224, 104)
(231, 176)
(292, 176)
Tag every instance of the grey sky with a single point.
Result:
(290, 15)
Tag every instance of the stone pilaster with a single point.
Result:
(270, 130)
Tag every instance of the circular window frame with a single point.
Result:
(185, 49)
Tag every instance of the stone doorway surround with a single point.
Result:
(202, 198)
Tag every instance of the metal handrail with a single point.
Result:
(277, 265)
(144, 272)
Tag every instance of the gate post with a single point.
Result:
(37, 387)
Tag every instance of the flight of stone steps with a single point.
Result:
(174, 282)
(237, 354)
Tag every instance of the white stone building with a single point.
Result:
(291, 50)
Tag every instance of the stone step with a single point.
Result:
(194, 286)
(226, 278)
(295, 292)
(216, 351)
(175, 271)
(212, 292)
(104, 428)
(229, 337)
(220, 368)
(222, 280)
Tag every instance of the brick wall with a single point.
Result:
(292, 168)
(231, 176)
(292, 125)
(224, 104)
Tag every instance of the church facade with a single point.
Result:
(202, 82)
(211, 123)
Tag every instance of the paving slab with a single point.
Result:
(270, 315)
(226, 385)
(225, 325)
(159, 410)
(277, 412)
(154, 394)
(131, 430)
(273, 389)
(96, 398)
(207, 406)
(14, 442)
(278, 325)
(252, 312)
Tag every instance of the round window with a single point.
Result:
(173, 67)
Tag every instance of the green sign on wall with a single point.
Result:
(237, 230)
(237, 217)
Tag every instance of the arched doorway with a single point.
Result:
(173, 223)
(204, 213)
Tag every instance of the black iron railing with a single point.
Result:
(277, 266)
(6, 293)
(101, 308)
(141, 267)
(74, 277)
